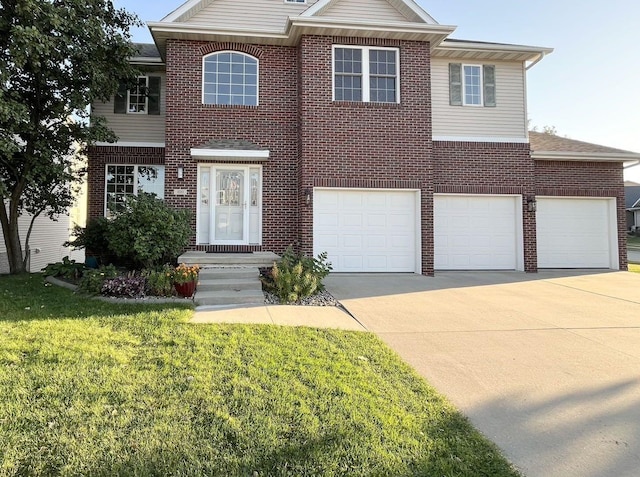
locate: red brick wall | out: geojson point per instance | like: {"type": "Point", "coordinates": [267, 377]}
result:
{"type": "Point", "coordinates": [271, 125]}
{"type": "Point", "coordinates": [99, 156]}
{"type": "Point", "coordinates": [353, 144]}
{"type": "Point", "coordinates": [489, 168]}
{"type": "Point", "coordinates": [586, 179]}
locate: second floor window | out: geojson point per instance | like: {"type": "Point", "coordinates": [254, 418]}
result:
{"type": "Point", "coordinates": [140, 97]}
{"type": "Point", "coordinates": [367, 74]}
{"type": "Point", "coordinates": [472, 85]}
{"type": "Point", "coordinates": [230, 78]}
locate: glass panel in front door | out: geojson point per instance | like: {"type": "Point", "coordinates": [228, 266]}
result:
{"type": "Point", "coordinates": [230, 205]}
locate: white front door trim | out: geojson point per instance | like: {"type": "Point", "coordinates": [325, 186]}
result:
{"type": "Point", "coordinates": [252, 226]}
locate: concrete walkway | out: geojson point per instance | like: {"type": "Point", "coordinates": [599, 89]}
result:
{"type": "Point", "coordinates": [313, 316]}
{"type": "Point", "coordinates": [546, 365]}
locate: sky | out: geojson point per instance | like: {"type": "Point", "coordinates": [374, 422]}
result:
{"type": "Point", "coordinates": [586, 88]}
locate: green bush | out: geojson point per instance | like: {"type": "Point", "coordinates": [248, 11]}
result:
{"type": "Point", "coordinates": [160, 281]}
{"type": "Point", "coordinates": [297, 276]}
{"type": "Point", "coordinates": [149, 233]}
{"type": "Point", "coordinates": [93, 280]}
{"type": "Point", "coordinates": [69, 269]}
{"type": "Point", "coordinates": [93, 238]}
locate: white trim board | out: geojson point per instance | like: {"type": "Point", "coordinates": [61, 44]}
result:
{"type": "Point", "coordinates": [512, 140]}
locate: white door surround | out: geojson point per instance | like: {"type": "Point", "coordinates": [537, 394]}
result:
{"type": "Point", "coordinates": [229, 208]}
{"type": "Point", "coordinates": [368, 230]}
{"type": "Point", "coordinates": [478, 232]}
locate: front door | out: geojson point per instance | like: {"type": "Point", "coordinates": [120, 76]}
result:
{"type": "Point", "coordinates": [230, 205]}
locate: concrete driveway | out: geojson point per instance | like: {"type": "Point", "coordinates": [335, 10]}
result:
{"type": "Point", "coordinates": [546, 365]}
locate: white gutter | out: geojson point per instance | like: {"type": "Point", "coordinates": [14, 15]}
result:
{"type": "Point", "coordinates": [584, 156]}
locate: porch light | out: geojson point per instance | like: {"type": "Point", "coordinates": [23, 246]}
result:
{"type": "Point", "coordinates": [532, 204]}
{"type": "Point", "coordinates": [180, 172]}
{"type": "Point", "coordinates": [307, 196]}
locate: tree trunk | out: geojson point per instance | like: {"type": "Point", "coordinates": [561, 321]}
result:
{"type": "Point", "coordinates": [12, 239]}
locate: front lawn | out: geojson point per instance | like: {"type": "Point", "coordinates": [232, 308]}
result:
{"type": "Point", "coordinates": [89, 388]}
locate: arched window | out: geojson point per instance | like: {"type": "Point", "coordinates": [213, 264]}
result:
{"type": "Point", "coordinates": [230, 78]}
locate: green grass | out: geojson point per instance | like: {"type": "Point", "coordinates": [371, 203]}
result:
{"type": "Point", "coordinates": [633, 240]}
{"type": "Point", "coordinates": [89, 388]}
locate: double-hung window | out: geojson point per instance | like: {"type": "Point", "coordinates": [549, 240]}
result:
{"type": "Point", "coordinates": [472, 85]}
{"type": "Point", "coordinates": [123, 181]}
{"type": "Point", "coordinates": [142, 96]}
{"type": "Point", "coordinates": [230, 78]}
{"type": "Point", "coordinates": [366, 74]}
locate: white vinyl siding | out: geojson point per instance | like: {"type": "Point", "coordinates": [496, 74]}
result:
{"type": "Point", "coordinates": [507, 120]}
{"type": "Point", "coordinates": [136, 127]}
{"type": "Point", "coordinates": [377, 10]}
{"type": "Point", "coordinates": [45, 242]}
{"type": "Point", "coordinates": [261, 15]}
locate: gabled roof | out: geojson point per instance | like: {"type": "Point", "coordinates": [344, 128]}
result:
{"type": "Point", "coordinates": [631, 197]}
{"type": "Point", "coordinates": [555, 148]}
{"type": "Point", "coordinates": [197, 20]}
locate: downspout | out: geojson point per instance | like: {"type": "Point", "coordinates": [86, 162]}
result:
{"type": "Point", "coordinates": [537, 60]}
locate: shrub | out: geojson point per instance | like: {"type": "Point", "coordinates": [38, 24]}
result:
{"type": "Point", "coordinates": [69, 269]}
{"type": "Point", "coordinates": [160, 282]}
{"type": "Point", "coordinates": [149, 233]}
{"type": "Point", "coordinates": [296, 276]}
{"type": "Point", "coordinates": [92, 280]}
{"type": "Point", "coordinates": [125, 287]}
{"type": "Point", "coordinates": [93, 238]}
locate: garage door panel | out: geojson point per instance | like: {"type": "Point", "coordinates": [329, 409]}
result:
{"type": "Point", "coordinates": [376, 229]}
{"type": "Point", "coordinates": [575, 232]}
{"type": "Point", "coordinates": [475, 232]}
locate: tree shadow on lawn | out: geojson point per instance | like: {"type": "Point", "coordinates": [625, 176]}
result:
{"type": "Point", "coordinates": [30, 298]}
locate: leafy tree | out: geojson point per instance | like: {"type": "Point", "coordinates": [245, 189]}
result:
{"type": "Point", "coordinates": [56, 58]}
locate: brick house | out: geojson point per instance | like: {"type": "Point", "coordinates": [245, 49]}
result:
{"type": "Point", "coordinates": [358, 128]}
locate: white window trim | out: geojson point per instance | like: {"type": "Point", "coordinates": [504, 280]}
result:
{"type": "Point", "coordinates": [366, 86]}
{"type": "Point", "coordinates": [294, 2]}
{"type": "Point", "coordinates": [464, 86]}
{"type": "Point", "coordinates": [257, 78]}
{"type": "Point", "coordinates": [135, 178]}
{"type": "Point", "coordinates": [146, 98]}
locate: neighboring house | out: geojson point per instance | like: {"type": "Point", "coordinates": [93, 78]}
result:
{"type": "Point", "coordinates": [360, 129]}
{"type": "Point", "coordinates": [45, 243]}
{"type": "Point", "coordinates": [632, 204]}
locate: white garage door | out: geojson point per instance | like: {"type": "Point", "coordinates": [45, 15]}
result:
{"type": "Point", "coordinates": [477, 232]}
{"type": "Point", "coordinates": [576, 233]}
{"type": "Point", "coordinates": [366, 230]}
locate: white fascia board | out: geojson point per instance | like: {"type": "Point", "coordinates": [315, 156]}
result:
{"type": "Point", "coordinates": [185, 28]}
{"type": "Point", "coordinates": [418, 10]}
{"type": "Point", "coordinates": [536, 53]}
{"type": "Point", "coordinates": [130, 144]}
{"type": "Point", "coordinates": [234, 153]}
{"type": "Point", "coordinates": [583, 156]}
{"type": "Point", "coordinates": [181, 10]}
{"type": "Point", "coordinates": [371, 25]}
{"type": "Point", "coordinates": [510, 140]}
{"type": "Point", "coordinates": [146, 61]}
{"type": "Point", "coordinates": [319, 6]}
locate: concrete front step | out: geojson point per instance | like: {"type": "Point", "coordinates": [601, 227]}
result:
{"type": "Point", "coordinates": [224, 273]}
{"type": "Point", "coordinates": [229, 297]}
{"type": "Point", "coordinates": [229, 284]}
{"type": "Point", "coordinates": [254, 259]}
